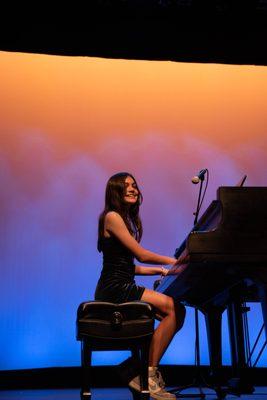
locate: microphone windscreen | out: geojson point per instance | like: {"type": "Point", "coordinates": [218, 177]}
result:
{"type": "Point", "coordinates": [195, 179]}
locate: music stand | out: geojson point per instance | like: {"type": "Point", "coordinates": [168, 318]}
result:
{"type": "Point", "coordinates": [242, 181]}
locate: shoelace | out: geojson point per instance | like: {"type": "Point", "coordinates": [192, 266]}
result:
{"type": "Point", "coordinates": [161, 381]}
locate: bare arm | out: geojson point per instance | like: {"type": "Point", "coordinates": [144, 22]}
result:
{"type": "Point", "coordinates": [154, 270]}
{"type": "Point", "coordinates": [115, 225]}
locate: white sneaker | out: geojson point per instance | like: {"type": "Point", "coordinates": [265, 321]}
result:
{"type": "Point", "coordinates": [161, 381]}
{"type": "Point", "coordinates": [156, 386]}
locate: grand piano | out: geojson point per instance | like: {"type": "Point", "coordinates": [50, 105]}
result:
{"type": "Point", "coordinates": [226, 253]}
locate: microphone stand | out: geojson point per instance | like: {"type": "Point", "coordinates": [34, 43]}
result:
{"type": "Point", "coordinates": [198, 380]}
{"type": "Point", "coordinates": [198, 201]}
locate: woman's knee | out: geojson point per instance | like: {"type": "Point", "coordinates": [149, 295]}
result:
{"type": "Point", "coordinates": [170, 306]}
{"type": "Point", "coordinates": [163, 304]}
{"type": "Point", "coordinates": [174, 309]}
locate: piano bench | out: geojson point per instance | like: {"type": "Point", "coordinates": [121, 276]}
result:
{"type": "Point", "coordinates": [109, 326]}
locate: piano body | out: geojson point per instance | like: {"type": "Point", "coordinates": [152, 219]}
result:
{"type": "Point", "coordinates": [227, 265]}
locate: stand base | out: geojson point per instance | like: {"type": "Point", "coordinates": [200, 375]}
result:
{"type": "Point", "coordinates": [180, 395]}
{"type": "Point", "coordinates": [239, 386]}
{"type": "Point", "coordinates": [220, 392]}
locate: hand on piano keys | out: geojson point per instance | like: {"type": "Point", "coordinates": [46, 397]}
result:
{"type": "Point", "coordinates": [164, 271]}
{"type": "Point", "coordinates": [180, 264]}
{"type": "Point", "coordinates": [175, 269]}
{"type": "Point", "coordinates": [184, 258]}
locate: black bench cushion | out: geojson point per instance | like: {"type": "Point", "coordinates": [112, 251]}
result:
{"type": "Point", "coordinates": [99, 319]}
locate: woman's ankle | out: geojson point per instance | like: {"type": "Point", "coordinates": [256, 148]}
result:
{"type": "Point", "coordinates": [152, 369]}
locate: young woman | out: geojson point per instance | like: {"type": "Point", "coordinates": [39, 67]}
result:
{"type": "Point", "coordinates": [119, 235]}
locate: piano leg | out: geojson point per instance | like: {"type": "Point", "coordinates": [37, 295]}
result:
{"type": "Point", "coordinates": [236, 332]}
{"type": "Point", "coordinates": [262, 290]}
{"type": "Point", "coordinates": [213, 318]}
{"type": "Point", "coordinates": [240, 382]}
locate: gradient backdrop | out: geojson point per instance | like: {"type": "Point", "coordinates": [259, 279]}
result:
{"type": "Point", "coordinates": [66, 125]}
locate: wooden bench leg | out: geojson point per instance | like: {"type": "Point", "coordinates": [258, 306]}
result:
{"type": "Point", "coordinates": [144, 356]}
{"type": "Point", "coordinates": [86, 358]}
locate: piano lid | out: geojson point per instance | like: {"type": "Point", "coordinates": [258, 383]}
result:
{"type": "Point", "coordinates": [233, 248]}
{"type": "Point", "coordinates": [242, 227]}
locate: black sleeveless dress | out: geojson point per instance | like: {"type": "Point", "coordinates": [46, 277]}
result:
{"type": "Point", "coordinates": [116, 283]}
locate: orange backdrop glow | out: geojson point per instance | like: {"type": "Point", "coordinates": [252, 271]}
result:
{"type": "Point", "coordinates": [66, 125]}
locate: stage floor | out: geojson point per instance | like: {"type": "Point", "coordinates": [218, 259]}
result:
{"type": "Point", "coordinates": [109, 394]}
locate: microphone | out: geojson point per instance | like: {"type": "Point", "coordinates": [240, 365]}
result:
{"type": "Point", "coordinates": [200, 177]}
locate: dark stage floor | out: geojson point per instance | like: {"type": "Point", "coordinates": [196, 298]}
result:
{"type": "Point", "coordinates": [107, 394]}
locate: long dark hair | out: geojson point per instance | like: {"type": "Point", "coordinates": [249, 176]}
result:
{"type": "Point", "coordinates": [114, 201]}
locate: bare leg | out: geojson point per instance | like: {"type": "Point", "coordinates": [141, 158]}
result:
{"type": "Point", "coordinates": [172, 318]}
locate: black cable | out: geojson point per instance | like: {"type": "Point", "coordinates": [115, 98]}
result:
{"type": "Point", "coordinates": [260, 353]}
{"type": "Point", "coordinates": [255, 344]}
